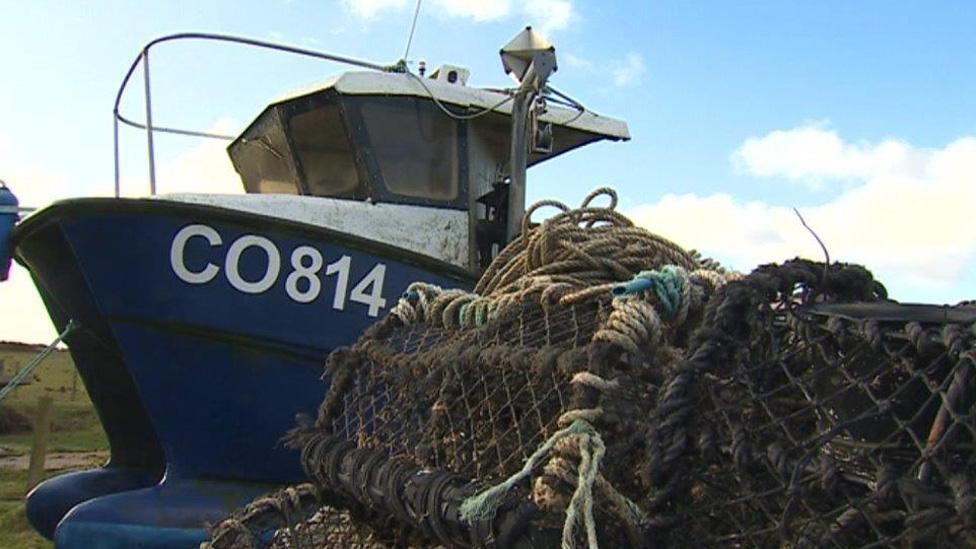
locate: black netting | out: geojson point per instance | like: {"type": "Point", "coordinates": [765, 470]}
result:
{"type": "Point", "coordinates": [822, 425]}
{"type": "Point", "coordinates": [329, 527]}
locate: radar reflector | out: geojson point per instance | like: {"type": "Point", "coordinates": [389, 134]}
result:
{"type": "Point", "coordinates": [529, 58]}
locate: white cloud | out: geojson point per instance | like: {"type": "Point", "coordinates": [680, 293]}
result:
{"type": "Point", "coordinates": [368, 8]}
{"type": "Point", "coordinates": [628, 70]}
{"type": "Point", "coordinates": [813, 153]}
{"type": "Point", "coordinates": [576, 62]}
{"type": "Point", "coordinates": [621, 72]}
{"type": "Point", "coordinates": [33, 185]}
{"type": "Point", "coordinates": [478, 10]}
{"type": "Point", "coordinates": [908, 221]}
{"type": "Point", "coordinates": [24, 317]}
{"type": "Point", "coordinates": [546, 15]}
{"type": "Point", "coordinates": [549, 15]}
{"type": "Point", "coordinates": [205, 168]}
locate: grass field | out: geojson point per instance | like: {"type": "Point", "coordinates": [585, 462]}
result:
{"type": "Point", "coordinates": [74, 428]}
{"type": "Point", "coordinates": [15, 532]}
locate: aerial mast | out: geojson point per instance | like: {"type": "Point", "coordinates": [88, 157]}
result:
{"type": "Point", "coordinates": [530, 59]}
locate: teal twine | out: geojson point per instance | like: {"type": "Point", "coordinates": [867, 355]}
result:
{"type": "Point", "coordinates": [483, 505]}
{"type": "Point", "coordinates": [484, 313]}
{"type": "Point", "coordinates": [669, 285]}
{"type": "Point", "coordinates": [480, 312]}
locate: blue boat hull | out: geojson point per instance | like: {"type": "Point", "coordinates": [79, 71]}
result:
{"type": "Point", "coordinates": [204, 333]}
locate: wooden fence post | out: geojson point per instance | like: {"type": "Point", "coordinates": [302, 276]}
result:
{"type": "Point", "coordinates": [42, 427]}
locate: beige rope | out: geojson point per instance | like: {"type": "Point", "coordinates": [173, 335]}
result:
{"type": "Point", "coordinates": [574, 256]}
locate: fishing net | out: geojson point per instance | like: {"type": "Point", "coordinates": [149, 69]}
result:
{"type": "Point", "coordinates": [602, 386]}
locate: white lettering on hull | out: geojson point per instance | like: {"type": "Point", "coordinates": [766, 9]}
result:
{"type": "Point", "coordinates": [179, 246]}
{"type": "Point", "coordinates": [303, 283]}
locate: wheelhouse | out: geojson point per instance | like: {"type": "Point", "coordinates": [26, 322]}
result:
{"type": "Point", "coordinates": [383, 149]}
{"type": "Point", "coordinates": [402, 139]}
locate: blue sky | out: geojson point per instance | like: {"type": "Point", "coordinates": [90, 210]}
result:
{"type": "Point", "coordinates": [861, 114]}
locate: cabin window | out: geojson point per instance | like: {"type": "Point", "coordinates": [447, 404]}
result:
{"type": "Point", "coordinates": [263, 160]}
{"type": "Point", "coordinates": [324, 152]}
{"type": "Point", "coordinates": [415, 147]}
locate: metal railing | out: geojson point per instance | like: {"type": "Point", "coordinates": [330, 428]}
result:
{"type": "Point", "coordinates": [143, 59]}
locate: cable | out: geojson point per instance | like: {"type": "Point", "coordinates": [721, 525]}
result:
{"type": "Point", "coordinates": [567, 101]}
{"type": "Point", "coordinates": [574, 103]}
{"type": "Point", "coordinates": [575, 118]}
{"type": "Point", "coordinates": [413, 27]}
{"type": "Point", "coordinates": [447, 111]}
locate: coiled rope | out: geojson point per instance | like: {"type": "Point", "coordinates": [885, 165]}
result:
{"type": "Point", "coordinates": [569, 257]}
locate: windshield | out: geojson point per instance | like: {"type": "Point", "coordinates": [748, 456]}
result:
{"type": "Point", "coordinates": [415, 146]}
{"type": "Point", "coordinates": [387, 148]}
{"type": "Point", "coordinates": [325, 154]}
{"type": "Point", "coordinates": [262, 158]}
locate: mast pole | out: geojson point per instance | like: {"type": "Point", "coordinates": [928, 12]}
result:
{"type": "Point", "coordinates": [519, 160]}
{"type": "Point", "coordinates": [531, 59]}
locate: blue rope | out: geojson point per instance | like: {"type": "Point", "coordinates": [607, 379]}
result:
{"type": "Point", "coordinates": [668, 283]}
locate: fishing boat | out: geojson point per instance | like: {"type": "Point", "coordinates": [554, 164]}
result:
{"type": "Point", "coordinates": [199, 323]}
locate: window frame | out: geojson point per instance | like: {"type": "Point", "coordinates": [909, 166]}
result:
{"type": "Point", "coordinates": [372, 184]}
{"type": "Point", "coordinates": [382, 192]}
{"type": "Point", "coordinates": [271, 117]}
{"type": "Point", "coordinates": [311, 102]}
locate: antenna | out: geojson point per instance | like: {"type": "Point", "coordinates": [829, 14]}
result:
{"type": "Point", "coordinates": [413, 27]}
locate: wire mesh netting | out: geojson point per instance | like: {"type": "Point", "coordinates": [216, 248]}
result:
{"type": "Point", "coordinates": [827, 425]}
{"type": "Point", "coordinates": [666, 403]}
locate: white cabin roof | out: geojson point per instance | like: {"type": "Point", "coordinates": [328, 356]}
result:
{"type": "Point", "coordinates": [405, 84]}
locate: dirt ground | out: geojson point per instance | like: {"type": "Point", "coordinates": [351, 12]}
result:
{"type": "Point", "coordinates": [56, 461]}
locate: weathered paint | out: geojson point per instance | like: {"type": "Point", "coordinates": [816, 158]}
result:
{"type": "Point", "coordinates": [110, 264]}
{"type": "Point", "coordinates": [435, 232]}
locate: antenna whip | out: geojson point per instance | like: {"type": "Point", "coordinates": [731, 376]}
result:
{"type": "Point", "coordinates": [413, 27]}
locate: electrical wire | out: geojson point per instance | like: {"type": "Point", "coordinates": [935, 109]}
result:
{"type": "Point", "coordinates": [566, 100]}
{"type": "Point", "coordinates": [575, 118]}
{"type": "Point", "coordinates": [448, 112]}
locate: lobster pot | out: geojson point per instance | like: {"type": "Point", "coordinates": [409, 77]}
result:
{"type": "Point", "coordinates": [664, 402]}
{"type": "Point", "coordinates": [830, 424]}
